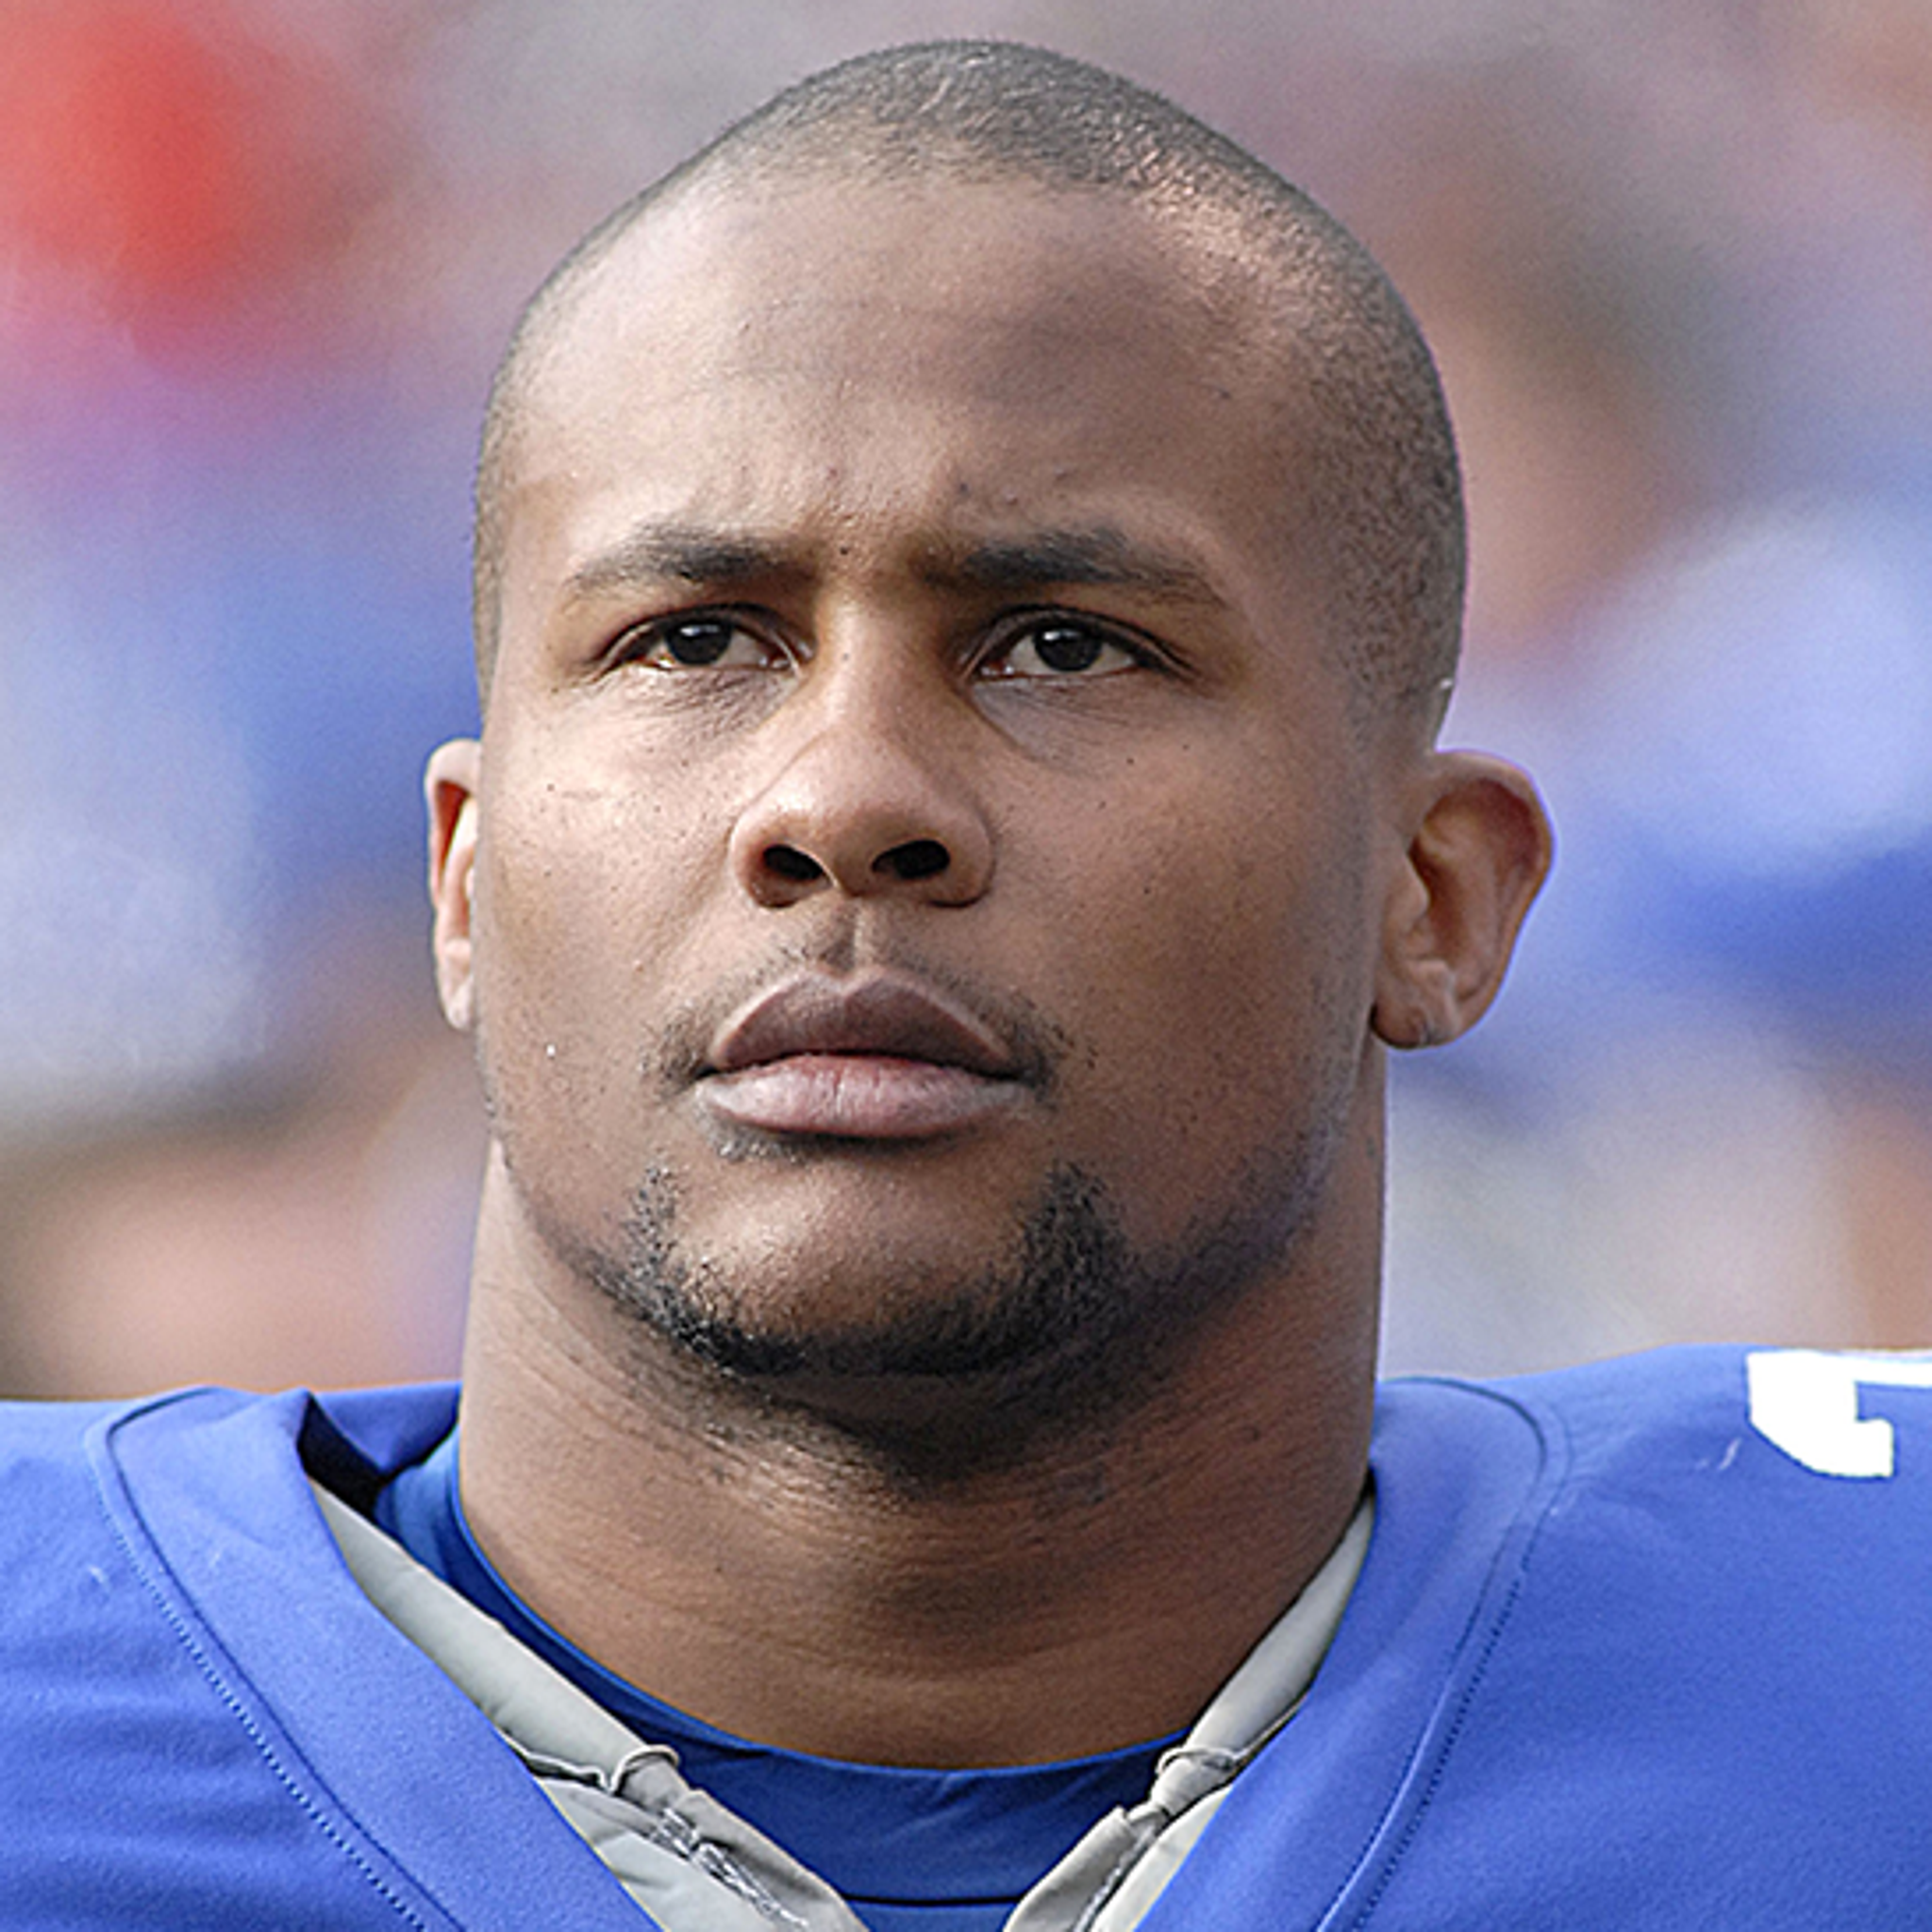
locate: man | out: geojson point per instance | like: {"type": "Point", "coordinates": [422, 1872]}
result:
{"type": "Point", "coordinates": [969, 569]}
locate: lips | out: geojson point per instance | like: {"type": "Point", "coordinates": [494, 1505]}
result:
{"type": "Point", "coordinates": [878, 1012]}
{"type": "Point", "coordinates": [873, 1056]}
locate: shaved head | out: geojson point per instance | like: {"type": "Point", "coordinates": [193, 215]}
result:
{"type": "Point", "coordinates": [1370, 485]}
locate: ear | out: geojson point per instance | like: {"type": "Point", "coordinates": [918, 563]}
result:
{"type": "Point", "coordinates": [450, 787]}
{"type": "Point", "coordinates": [1477, 855]}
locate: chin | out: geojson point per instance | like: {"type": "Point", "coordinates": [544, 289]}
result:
{"type": "Point", "coordinates": [881, 1308]}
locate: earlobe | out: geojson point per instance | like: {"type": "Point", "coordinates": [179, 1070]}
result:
{"type": "Point", "coordinates": [450, 787]}
{"type": "Point", "coordinates": [1478, 853]}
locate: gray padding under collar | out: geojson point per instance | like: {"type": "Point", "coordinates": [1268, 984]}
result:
{"type": "Point", "coordinates": [697, 1867]}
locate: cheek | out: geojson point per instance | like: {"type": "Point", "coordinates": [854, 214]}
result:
{"type": "Point", "coordinates": [576, 890]}
{"type": "Point", "coordinates": [1228, 997]}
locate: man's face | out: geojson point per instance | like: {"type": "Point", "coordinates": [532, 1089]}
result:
{"type": "Point", "coordinates": [920, 809]}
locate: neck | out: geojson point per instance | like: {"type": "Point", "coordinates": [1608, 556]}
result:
{"type": "Point", "coordinates": [806, 1583]}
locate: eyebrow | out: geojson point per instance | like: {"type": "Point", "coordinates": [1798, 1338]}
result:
{"type": "Point", "coordinates": [1102, 555]}
{"type": "Point", "coordinates": [688, 552]}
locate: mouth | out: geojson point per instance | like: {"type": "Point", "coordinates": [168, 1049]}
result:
{"type": "Point", "coordinates": [876, 1055]}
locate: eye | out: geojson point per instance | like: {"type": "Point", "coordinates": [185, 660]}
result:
{"type": "Point", "coordinates": [703, 642]}
{"type": "Point", "coordinates": [1058, 646]}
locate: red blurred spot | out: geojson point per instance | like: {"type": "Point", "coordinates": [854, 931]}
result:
{"type": "Point", "coordinates": [174, 165]}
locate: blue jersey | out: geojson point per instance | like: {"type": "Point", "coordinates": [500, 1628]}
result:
{"type": "Point", "coordinates": [1643, 1644]}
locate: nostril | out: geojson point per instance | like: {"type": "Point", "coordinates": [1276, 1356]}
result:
{"type": "Point", "coordinates": [788, 862]}
{"type": "Point", "coordinates": [918, 858]}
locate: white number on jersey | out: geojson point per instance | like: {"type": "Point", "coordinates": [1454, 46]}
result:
{"type": "Point", "coordinates": [1807, 1402]}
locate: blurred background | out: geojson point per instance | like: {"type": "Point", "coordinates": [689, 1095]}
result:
{"type": "Point", "coordinates": [257, 259]}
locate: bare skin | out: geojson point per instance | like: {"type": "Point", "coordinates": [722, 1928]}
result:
{"type": "Point", "coordinates": [916, 773]}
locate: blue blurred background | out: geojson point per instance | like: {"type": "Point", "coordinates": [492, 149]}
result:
{"type": "Point", "coordinates": [257, 258]}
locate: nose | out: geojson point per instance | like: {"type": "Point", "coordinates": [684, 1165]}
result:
{"type": "Point", "coordinates": [868, 804]}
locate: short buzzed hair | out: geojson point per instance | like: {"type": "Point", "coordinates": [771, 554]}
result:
{"type": "Point", "coordinates": [1378, 476]}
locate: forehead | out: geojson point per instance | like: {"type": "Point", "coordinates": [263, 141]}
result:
{"type": "Point", "coordinates": [940, 358]}
{"type": "Point", "coordinates": [729, 272]}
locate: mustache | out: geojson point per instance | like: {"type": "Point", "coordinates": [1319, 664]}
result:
{"type": "Point", "coordinates": [1034, 1046]}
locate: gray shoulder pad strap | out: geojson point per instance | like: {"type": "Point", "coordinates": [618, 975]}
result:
{"type": "Point", "coordinates": [690, 1862]}
{"type": "Point", "coordinates": [1110, 1880]}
